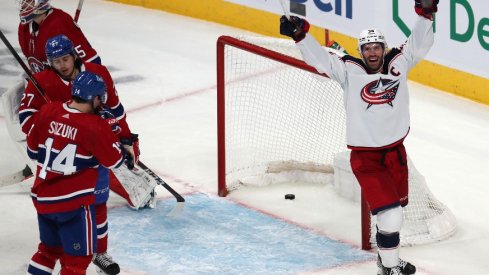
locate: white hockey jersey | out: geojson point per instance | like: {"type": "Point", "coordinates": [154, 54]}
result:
{"type": "Point", "coordinates": [377, 105]}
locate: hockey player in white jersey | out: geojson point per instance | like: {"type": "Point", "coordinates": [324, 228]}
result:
{"type": "Point", "coordinates": [377, 110]}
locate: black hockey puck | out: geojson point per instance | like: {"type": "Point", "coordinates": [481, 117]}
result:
{"type": "Point", "coordinates": [289, 196]}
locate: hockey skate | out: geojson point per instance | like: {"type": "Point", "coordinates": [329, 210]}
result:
{"type": "Point", "coordinates": [391, 271]}
{"type": "Point", "coordinates": [105, 265]}
{"type": "Point", "coordinates": [405, 268]}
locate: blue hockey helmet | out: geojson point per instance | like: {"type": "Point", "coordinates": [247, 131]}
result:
{"type": "Point", "coordinates": [28, 9]}
{"type": "Point", "coordinates": [58, 46]}
{"type": "Point", "coordinates": [87, 86]}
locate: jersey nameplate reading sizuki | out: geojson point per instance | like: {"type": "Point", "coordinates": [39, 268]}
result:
{"type": "Point", "coordinates": [63, 130]}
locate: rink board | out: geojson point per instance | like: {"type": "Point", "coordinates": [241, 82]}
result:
{"type": "Point", "coordinates": [216, 236]}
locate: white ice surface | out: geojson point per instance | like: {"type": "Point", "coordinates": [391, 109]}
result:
{"type": "Point", "coordinates": [173, 108]}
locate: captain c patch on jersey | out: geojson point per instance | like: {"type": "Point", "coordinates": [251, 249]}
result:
{"type": "Point", "coordinates": [380, 91]}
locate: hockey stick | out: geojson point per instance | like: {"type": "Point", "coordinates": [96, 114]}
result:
{"type": "Point", "coordinates": [180, 200]}
{"type": "Point", "coordinates": [161, 182]}
{"type": "Point", "coordinates": [14, 178]}
{"type": "Point", "coordinates": [19, 176]}
{"type": "Point", "coordinates": [10, 179]}
{"type": "Point", "coordinates": [285, 7]}
{"type": "Point", "coordinates": [78, 10]}
{"type": "Point", "coordinates": [24, 66]}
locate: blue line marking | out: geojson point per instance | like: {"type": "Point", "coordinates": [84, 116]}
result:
{"type": "Point", "coordinates": [217, 236]}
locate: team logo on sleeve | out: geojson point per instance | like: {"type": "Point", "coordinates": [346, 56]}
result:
{"type": "Point", "coordinates": [382, 91]}
{"type": "Point", "coordinates": [36, 65]}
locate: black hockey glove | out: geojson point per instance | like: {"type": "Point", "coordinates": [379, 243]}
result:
{"type": "Point", "coordinates": [426, 8]}
{"type": "Point", "coordinates": [131, 146]}
{"type": "Point", "coordinates": [107, 115]}
{"type": "Point", "coordinates": [295, 27]}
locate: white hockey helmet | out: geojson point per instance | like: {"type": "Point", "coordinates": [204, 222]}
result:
{"type": "Point", "coordinates": [371, 36]}
{"type": "Point", "coordinates": [28, 9]}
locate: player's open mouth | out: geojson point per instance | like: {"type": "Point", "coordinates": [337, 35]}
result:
{"type": "Point", "coordinates": [373, 62]}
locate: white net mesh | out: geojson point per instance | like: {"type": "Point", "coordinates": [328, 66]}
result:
{"type": "Point", "coordinates": [283, 123]}
{"type": "Point", "coordinates": [275, 112]}
{"type": "Point", "coordinates": [425, 218]}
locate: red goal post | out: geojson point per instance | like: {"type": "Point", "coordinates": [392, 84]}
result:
{"type": "Point", "coordinates": [222, 42]}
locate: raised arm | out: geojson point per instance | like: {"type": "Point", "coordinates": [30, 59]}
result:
{"type": "Point", "coordinates": [421, 39]}
{"type": "Point", "coordinates": [327, 63]}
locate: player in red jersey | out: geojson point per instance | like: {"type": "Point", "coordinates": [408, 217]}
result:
{"type": "Point", "coordinates": [64, 65]}
{"type": "Point", "coordinates": [38, 22]}
{"type": "Point", "coordinates": [55, 81]}
{"type": "Point", "coordinates": [69, 141]}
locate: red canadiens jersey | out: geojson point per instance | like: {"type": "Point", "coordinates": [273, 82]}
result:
{"type": "Point", "coordinates": [57, 89]}
{"type": "Point", "coordinates": [33, 38]}
{"type": "Point", "coordinates": [69, 146]}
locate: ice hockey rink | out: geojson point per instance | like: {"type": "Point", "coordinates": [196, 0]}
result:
{"type": "Point", "coordinates": [164, 66]}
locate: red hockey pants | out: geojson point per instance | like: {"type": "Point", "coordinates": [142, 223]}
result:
{"type": "Point", "coordinates": [383, 176]}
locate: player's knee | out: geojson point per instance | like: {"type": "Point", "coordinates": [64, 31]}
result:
{"type": "Point", "coordinates": [390, 220]}
{"type": "Point", "coordinates": [389, 224]}
{"type": "Point", "coordinates": [387, 240]}
{"type": "Point", "coordinates": [48, 253]}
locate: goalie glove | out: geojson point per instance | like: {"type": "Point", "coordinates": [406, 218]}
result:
{"type": "Point", "coordinates": [426, 8]}
{"type": "Point", "coordinates": [295, 27]}
{"type": "Point", "coordinates": [107, 115]}
{"type": "Point", "coordinates": [131, 146]}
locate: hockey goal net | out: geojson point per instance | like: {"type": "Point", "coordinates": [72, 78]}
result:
{"type": "Point", "coordinates": [278, 117]}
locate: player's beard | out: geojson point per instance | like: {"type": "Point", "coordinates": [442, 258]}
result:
{"type": "Point", "coordinates": [67, 75]}
{"type": "Point", "coordinates": [95, 107]}
{"type": "Point", "coordinates": [375, 66]}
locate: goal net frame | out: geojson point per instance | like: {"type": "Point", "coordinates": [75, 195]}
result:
{"type": "Point", "coordinates": [221, 93]}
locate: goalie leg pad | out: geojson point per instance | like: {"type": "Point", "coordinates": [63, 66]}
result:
{"type": "Point", "coordinates": [116, 186]}
{"type": "Point", "coordinates": [11, 101]}
{"type": "Point", "coordinates": [137, 185]}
